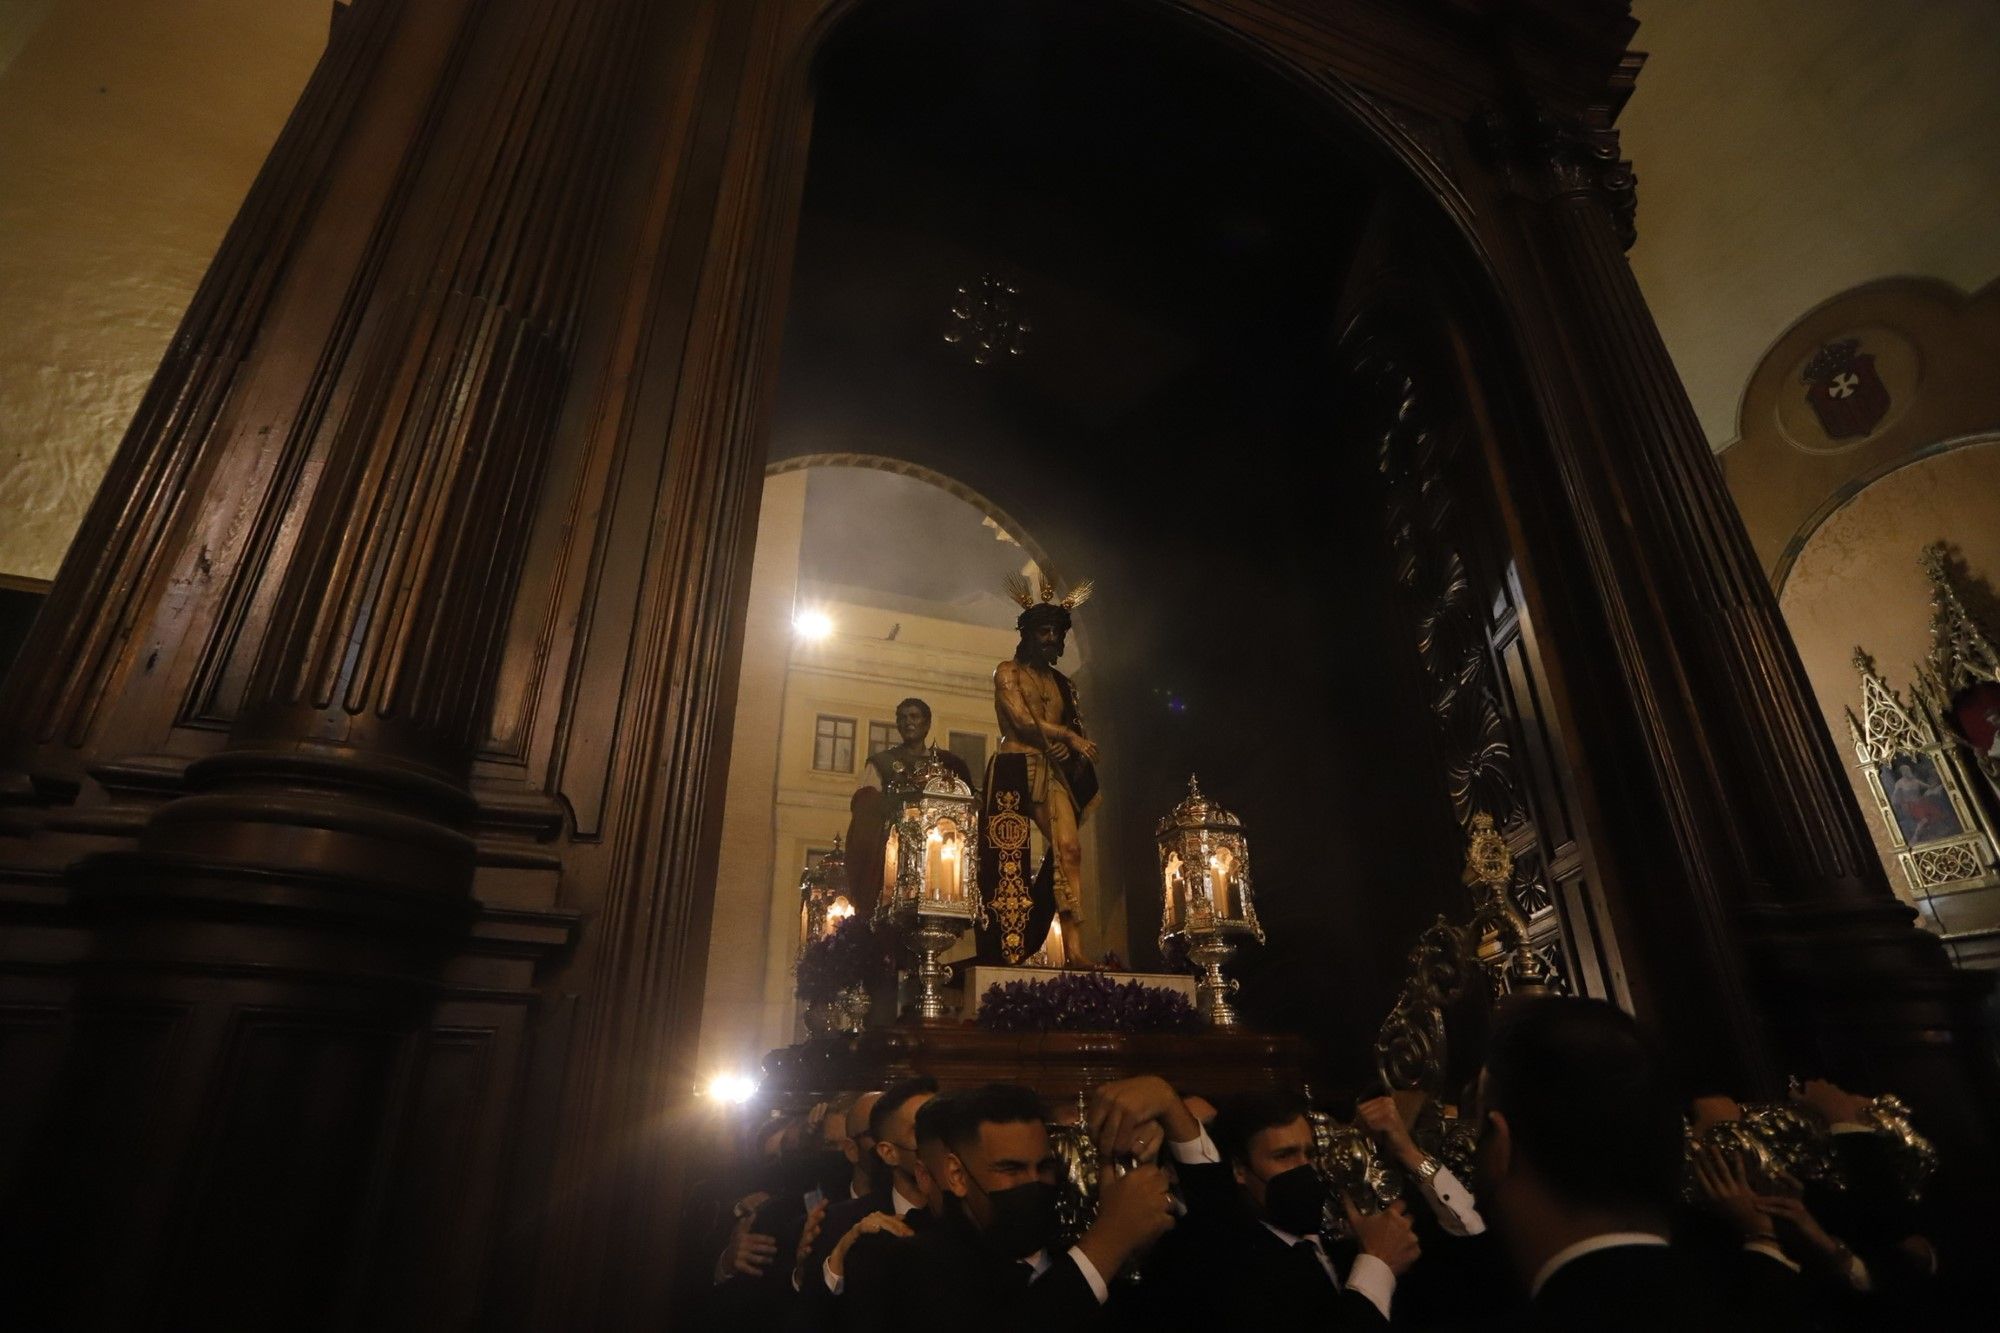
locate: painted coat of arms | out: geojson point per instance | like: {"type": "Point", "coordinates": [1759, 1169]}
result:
{"type": "Point", "coordinates": [1845, 392]}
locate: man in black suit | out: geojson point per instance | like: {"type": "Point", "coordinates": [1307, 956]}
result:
{"type": "Point", "coordinates": [806, 1163]}
{"type": "Point", "coordinates": [986, 1256]}
{"type": "Point", "coordinates": [891, 1132]}
{"type": "Point", "coordinates": [859, 1270]}
{"type": "Point", "coordinates": [1268, 1264]}
{"type": "Point", "coordinates": [1580, 1158]}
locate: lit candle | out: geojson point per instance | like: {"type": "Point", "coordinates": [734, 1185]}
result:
{"type": "Point", "coordinates": [1219, 865]}
{"type": "Point", "coordinates": [837, 912]}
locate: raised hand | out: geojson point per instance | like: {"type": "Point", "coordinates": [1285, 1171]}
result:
{"type": "Point", "coordinates": [1388, 1235]}
{"type": "Point", "coordinates": [874, 1222]}
{"type": "Point", "coordinates": [1379, 1116]}
{"type": "Point", "coordinates": [1133, 1211]}
{"type": "Point", "coordinates": [1119, 1114]}
{"type": "Point", "coordinates": [814, 1220]}
{"type": "Point", "coordinates": [1724, 1179]}
{"type": "Point", "coordinates": [748, 1253]}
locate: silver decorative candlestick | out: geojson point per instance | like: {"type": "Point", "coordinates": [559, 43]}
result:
{"type": "Point", "coordinates": [1206, 904]}
{"type": "Point", "coordinates": [930, 878]}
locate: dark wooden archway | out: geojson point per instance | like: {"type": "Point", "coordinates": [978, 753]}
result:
{"type": "Point", "coordinates": [363, 768]}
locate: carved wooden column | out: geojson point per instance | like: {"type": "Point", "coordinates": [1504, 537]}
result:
{"type": "Point", "coordinates": [1783, 895]}
{"type": "Point", "coordinates": [262, 956]}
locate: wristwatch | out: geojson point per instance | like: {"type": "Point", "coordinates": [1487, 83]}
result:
{"type": "Point", "coordinates": [1428, 1168]}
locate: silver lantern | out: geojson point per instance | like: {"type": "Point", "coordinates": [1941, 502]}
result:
{"type": "Point", "coordinates": [1206, 904]}
{"type": "Point", "coordinates": [930, 875]}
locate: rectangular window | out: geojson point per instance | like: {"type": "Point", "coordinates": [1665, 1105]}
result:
{"type": "Point", "coordinates": [882, 736]}
{"type": "Point", "coordinates": [971, 747]}
{"type": "Point", "coordinates": [833, 744]}
{"type": "Point", "coordinates": [814, 855]}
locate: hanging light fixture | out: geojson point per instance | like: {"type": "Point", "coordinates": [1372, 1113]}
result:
{"type": "Point", "coordinates": [986, 318]}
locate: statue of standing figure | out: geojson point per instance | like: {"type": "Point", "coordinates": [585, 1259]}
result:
{"type": "Point", "coordinates": [1044, 773]}
{"type": "Point", "coordinates": [893, 769]}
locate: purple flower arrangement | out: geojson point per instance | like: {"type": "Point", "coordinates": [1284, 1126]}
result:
{"type": "Point", "coordinates": [852, 955]}
{"type": "Point", "coordinates": [1085, 1002]}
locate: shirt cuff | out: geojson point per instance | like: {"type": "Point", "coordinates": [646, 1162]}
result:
{"type": "Point", "coordinates": [1856, 1273]}
{"type": "Point", "coordinates": [1196, 1150]}
{"type": "Point", "coordinates": [1372, 1278]}
{"type": "Point", "coordinates": [1091, 1275]}
{"type": "Point", "coordinates": [1452, 1202]}
{"type": "Point", "coordinates": [1770, 1249]}
{"type": "Point", "coordinates": [835, 1282]}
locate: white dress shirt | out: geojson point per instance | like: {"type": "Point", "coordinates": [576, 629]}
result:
{"type": "Point", "coordinates": [1451, 1203]}
{"type": "Point", "coordinates": [1610, 1240]}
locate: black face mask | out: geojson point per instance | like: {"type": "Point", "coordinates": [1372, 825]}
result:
{"type": "Point", "coordinates": [1024, 1219]}
{"type": "Point", "coordinates": [1295, 1200]}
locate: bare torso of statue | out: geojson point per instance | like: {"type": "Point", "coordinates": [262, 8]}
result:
{"type": "Point", "coordinates": [1037, 713]}
{"type": "Point", "coordinates": [1037, 707]}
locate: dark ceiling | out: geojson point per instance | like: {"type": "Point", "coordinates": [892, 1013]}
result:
{"type": "Point", "coordinates": [1165, 221]}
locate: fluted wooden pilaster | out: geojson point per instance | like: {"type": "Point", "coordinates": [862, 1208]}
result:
{"type": "Point", "coordinates": [286, 917]}
{"type": "Point", "coordinates": [1776, 903]}
{"type": "Point", "coordinates": [54, 693]}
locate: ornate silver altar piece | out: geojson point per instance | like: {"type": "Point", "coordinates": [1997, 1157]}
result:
{"type": "Point", "coordinates": [1783, 1144]}
{"type": "Point", "coordinates": [1500, 932]}
{"type": "Point", "coordinates": [1411, 1051]}
{"type": "Point", "coordinates": [1917, 1156]}
{"type": "Point", "coordinates": [823, 900]}
{"type": "Point", "coordinates": [1077, 1164]}
{"type": "Point", "coordinates": [1779, 1144]}
{"type": "Point", "coordinates": [1206, 905]}
{"type": "Point", "coordinates": [930, 877]}
{"type": "Point", "coordinates": [1346, 1158]}
{"type": "Point", "coordinates": [1922, 785]}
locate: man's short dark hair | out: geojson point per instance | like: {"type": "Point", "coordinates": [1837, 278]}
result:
{"type": "Point", "coordinates": [916, 703]}
{"type": "Point", "coordinates": [994, 1104]}
{"type": "Point", "coordinates": [1243, 1117]}
{"type": "Point", "coordinates": [1589, 1103]}
{"type": "Point", "coordinates": [893, 1099]}
{"type": "Point", "coordinates": [934, 1118]}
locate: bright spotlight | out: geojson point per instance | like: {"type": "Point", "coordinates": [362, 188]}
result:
{"type": "Point", "coordinates": [812, 625]}
{"type": "Point", "coordinates": [732, 1089]}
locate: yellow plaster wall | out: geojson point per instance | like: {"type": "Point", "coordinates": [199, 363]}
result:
{"type": "Point", "coordinates": [132, 130]}
{"type": "Point", "coordinates": [1856, 583]}
{"type": "Point", "coordinates": [1790, 149]}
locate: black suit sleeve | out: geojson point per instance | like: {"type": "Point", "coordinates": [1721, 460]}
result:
{"type": "Point", "coordinates": [868, 1287]}
{"type": "Point", "coordinates": [1059, 1301]}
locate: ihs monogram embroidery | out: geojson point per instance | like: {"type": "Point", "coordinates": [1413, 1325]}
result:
{"type": "Point", "coordinates": [1013, 903]}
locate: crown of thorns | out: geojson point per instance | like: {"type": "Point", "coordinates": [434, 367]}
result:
{"type": "Point", "coordinates": [1049, 606]}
